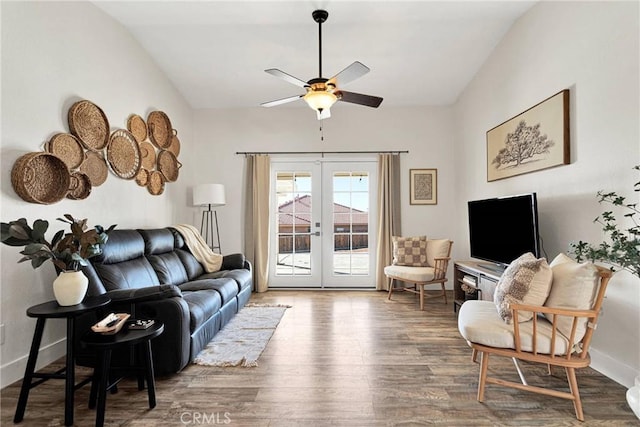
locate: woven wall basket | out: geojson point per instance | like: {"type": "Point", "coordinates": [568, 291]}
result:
{"type": "Point", "coordinates": [137, 127]}
{"type": "Point", "coordinates": [67, 148]}
{"type": "Point", "coordinates": [123, 154]}
{"type": "Point", "coordinates": [95, 167]}
{"type": "Point", "coordinates": [89, 123]}
{"type": "Point", "coordinates": [40, 178]}
{"type": "Point", "coordinates": [142, 178]}
{"type": "Point", "coordinates": [174, 147]}
{"type": "Point", "coordinates": [156, 183]}
{"type": "Point", "coordinates": [168, 165]}
{"type": "Point", "coordinates": [79, 186]}
{"type": "Point", "coordinates": [148, 153]}
{"type": "Point", "coordinates": [160, 129]}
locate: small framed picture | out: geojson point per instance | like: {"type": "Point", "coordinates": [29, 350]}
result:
{"type": "Point", "coordinates": [423, 186]}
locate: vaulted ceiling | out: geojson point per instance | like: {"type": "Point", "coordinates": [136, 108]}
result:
{"type": "Point", "coordinates": [215, 52]}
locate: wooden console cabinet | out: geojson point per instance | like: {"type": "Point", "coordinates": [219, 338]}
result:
{"type": "Point", "coordinates": [473, 274]}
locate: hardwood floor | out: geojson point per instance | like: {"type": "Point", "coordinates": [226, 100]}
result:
{"type": "Point", "coordinates": [342, 358]}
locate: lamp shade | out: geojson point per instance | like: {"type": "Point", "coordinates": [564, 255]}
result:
{"type": "Point", "coordinates": [209, 194]}
{"type": "Point", "coordinates": [320, 100]}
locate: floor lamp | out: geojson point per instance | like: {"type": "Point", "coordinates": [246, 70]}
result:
{"type": "Point", "coordinates": [209, 195]}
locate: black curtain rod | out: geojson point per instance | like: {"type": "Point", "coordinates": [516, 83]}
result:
{"type": "Point", "coordinates": [322, 152]}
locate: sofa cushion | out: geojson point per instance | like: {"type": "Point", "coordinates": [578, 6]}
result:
{"type": "Point", "coordinates": [410, 251]}
{"type": "Point", "coordinates": [123, 245]}
{"type": "Point", "coordinates": [526, 281]}
{"type": "Point", "coordinates": [437, 248]}
{"type": "Point", "coordinates": [410, 274]}
{"type": "Point", "coordinates": [191, 265]}
{"type": "Point", "coordinates": [242, 277]}
{"type": "Point", "coordinates": [157, 241]}
{"type": "Point", "coordinates": [478, 322]}
{"type": "Point", "coordinates": [203, 304]}
{"type": "Point", "coordinates": [227, 288]}
{"type": "Point", "coordinates": [574, 286]}
{"type": "Point", "coordinates": [169, 268]}
{"type": "Point", "coordinates": [135, 273]}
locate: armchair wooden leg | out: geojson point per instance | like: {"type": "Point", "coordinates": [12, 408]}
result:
{"type": "Point", "coordinates": [390, 288]}
{"type": "Point", "coordinates": [573, 386]}
{"type": "Point", "coordinates": [444, 293]}
{"type": "Point", "coordinates": [484, 364]}
{"type": "Point", "coordinates": [474, 356]}
{"type": "Point", "coordinates": [421, 297]}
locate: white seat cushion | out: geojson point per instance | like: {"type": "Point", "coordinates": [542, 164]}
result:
{"type": "Point", "coordinates": [479, 322]}
{"type": "Point", "coordinates": [410, 274]}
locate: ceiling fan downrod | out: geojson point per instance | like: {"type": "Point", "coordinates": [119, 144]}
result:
{"type": "Point", "coordinates": [320, 16]}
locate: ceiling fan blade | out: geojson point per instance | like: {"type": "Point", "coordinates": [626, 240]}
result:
{"type": "Point", "coordinates": [325, 114]}
{"type": "Point", "coordinates": [349, 74]}
{"type": "Point", "coordinates": [358, 98]}
{"type": "Point", "coordinates": [281, 101]}
{"type": "Point", "coordinates": [286, 77]}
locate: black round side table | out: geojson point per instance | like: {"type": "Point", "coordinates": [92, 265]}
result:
{"type": "Point", "coordinates": [53, 310]}
{"type": "Point", "coordinates": [104, 345]}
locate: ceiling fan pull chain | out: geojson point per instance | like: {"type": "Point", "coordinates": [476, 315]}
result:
{"type": "Point", "coordinates": [321, 131]}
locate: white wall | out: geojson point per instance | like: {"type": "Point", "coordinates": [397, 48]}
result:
{"type": "Point", "coordinates": [592, 49]}
{"type": "Point", "coordinates": [425, 132]}
{"type": "Point", "coordinates": [52, 55]}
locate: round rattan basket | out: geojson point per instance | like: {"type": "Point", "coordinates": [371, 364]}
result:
{"type": "Point", "coordinates": [79, 187]}
{"type": "Point", "coordinates": [66, 147]}
{"type": "Point", "coordinates": [168, 165]}
{"type": "Point", "coordinates": [142, 178]}
{"type": "Point", "coordinates": [89, 123]}
{"type": "Point", "coordinates": [148, 153]}
{"type": "Point", "coordinates": [155, 185]}
{"type": "Point", "coordinates": [123, 154]}
{"type": "Point", "coordinates": [174, 147]}
{"type": "Point", "coordinates": [160, 129]}
{"type": "Point", "coordinates": [137, 127]}
{"type": "Point", "coordinates": [40, 178]}
{"type": "Point", "coordinates": [95, 168]}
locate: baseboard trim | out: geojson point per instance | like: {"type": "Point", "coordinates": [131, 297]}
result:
{"type": "Point", "coordinates": [612, 368]}
{"type": "Point", "coordinates": [14, 370]}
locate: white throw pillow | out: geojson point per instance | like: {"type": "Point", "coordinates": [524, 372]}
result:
{"type": "Point", "coordinates": [437, 248]}
{"type": "Point", "coordinates": [574, 287]}
{"type": "Point", "coordinates": [526, 281]}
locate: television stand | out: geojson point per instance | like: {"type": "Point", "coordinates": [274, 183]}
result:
{"type": "Point", "coordinates": [479, 277]}
{"type": "Point", "coordinates": [493, 267]}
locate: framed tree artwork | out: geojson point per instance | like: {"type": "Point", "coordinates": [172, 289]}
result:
{"type": "Point", "coordinates": [423, 186]}
{"type": "Point", "coordinates": [535, 139]}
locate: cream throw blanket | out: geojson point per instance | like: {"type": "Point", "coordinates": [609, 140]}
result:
{"type": "Point", "coordinates": [210, 260]}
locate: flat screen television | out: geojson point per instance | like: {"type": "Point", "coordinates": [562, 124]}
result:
{"type": "Point", "coordinates": [503, 228]}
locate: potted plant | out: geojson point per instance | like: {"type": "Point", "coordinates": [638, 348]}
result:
{"type": "Point", "coordinates": [68, 251]}
{"type": "Point", "coordinates": [622, 248]}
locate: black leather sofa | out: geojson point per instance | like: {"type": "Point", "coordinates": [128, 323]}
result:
{"type": "Point", "coordinates": [153, 275]}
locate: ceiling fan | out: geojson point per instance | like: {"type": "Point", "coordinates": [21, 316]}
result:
{"type": "Point", "coordinates": [322, 93]}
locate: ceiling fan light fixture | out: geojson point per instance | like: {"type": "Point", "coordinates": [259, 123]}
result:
{"type": "Point", "coordinates": [320, 100]}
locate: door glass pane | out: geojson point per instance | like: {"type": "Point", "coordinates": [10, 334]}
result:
{"type": "Point", "coordinates": [350, 223]}
{"type": "Point", "coordinates": [293, 190]}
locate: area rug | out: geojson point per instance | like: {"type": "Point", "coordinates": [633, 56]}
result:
{"type": "Point", "coordinates": [244, 338]}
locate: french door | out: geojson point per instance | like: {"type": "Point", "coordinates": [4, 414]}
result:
{"type": "Point", "coordinates": [323, 224]}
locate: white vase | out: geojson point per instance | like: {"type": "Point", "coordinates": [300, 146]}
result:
{"type": "Point", "coordinates": [70, 287]}
{"type": "Point", "coordinates": [633, 397]}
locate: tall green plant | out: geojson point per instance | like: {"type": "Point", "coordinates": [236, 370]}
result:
{"type": "Point", "coordinates": [622, 250]}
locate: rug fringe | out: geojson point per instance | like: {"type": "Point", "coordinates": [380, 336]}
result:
{"type": "Point", "coordinates": [251, 304]}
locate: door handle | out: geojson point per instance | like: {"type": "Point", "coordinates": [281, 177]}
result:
{"type": "Point", "coordinates": [317, 233]}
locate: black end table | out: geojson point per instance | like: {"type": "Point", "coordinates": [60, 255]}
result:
{"type": "Point", "coordinates": [52, 310]}
{"type": "Point", "coordinates": [104, 345]}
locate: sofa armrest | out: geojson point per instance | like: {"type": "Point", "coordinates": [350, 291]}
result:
{"type": "Point", "coordinates": [149, 293]}
{"type": "Point", "coordinates": [233, 262]}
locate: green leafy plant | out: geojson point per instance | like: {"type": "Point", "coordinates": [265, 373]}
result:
{"type": "Point", "coordinates": [67, 251]}
{"type": "Point", "coordinates": [622, 250]}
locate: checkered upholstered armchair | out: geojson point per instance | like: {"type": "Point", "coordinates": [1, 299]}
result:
{"type": "Point", "coordinates": [419, 262]}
